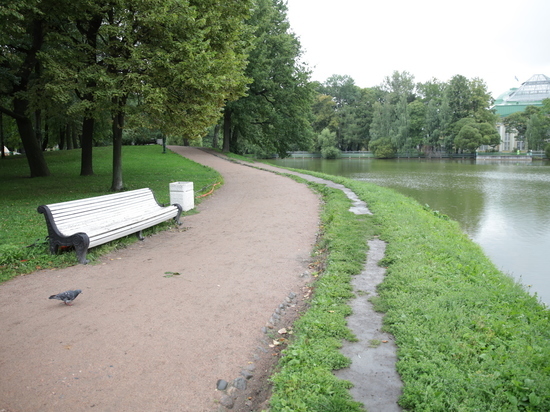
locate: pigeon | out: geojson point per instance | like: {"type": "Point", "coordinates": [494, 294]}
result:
{"type": "Point", "coordinates": [67, 297]}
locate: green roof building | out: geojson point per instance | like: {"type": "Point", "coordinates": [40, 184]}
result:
{"type": "Point", "coordinates": [530, 93]}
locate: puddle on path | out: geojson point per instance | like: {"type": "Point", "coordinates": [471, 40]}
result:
{"type": "Point", "coordinates": [376, 382]}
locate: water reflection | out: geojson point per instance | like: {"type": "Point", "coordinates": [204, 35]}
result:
{"type": "Point", "coordinates": [503, 207]}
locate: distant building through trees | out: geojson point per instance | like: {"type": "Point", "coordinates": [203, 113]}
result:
{"type": "Point", "coordinates": [530, 93]}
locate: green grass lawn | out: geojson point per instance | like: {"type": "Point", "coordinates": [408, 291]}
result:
{"type": "Point", "coordinates": [21, 225]}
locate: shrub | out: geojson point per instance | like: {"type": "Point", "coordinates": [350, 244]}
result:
{"type": "Point", "coordinates": [330, 153]}
{"type": "Point", "coordinates": [383, 148]}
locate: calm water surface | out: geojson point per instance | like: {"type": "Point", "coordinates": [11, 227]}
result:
{"type": "Point", "coordinates": [503, 207]}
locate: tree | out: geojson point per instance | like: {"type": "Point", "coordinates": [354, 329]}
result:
{"type": "Point", "coordinates": [275, 115]}
{"type": "Point", "coordinates": [399, 85]}
{"type": "Point", "coordinates": [382, 120]}
{"type": "Point", "coordinates": [469, 138]}
{"type": "Point", "coordinates": [459, 96]}
{"type": "Point", "coordinates": [537, 132]}
{"type": "Point", "coordinates": [353, 108]}
{"type": "Point", "coordinates": [342, 88]}
{"type": "Point", "coordinates": [326, 143]}
{"type": "Point", "coordinates": [22, 35]}
{"type": "Point", "coordinates": [517, 121]}
{"type": "Point", "coordinates": [468, 99]}
{"type": "Point", "coordinates": [383, 148]}
{"type": "Point", "coordinates": [490, 136]}
{"type": "Point", "coordinates": [324, 113]}
{"type": "Point", "coordinates": [177, 62]}
{"type": "Point", "coordinates": [432, 90]}
{"type": "Point", "coordinates": [399, 132]}
{"type": "Point", "coordinates": [470, 135]}
{"type": "Point", "coordinates": [482, 102]}
{"type": "Point", "coordinates": [417, 122]}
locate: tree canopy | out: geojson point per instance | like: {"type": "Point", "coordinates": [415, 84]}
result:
{"type": "Point", "coordinates": [275, 114]}
{"type": "Point", "coordinates": [177, 63]}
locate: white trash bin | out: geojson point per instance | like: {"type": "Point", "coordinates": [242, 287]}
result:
{"type": "Point", "coordinates": [183, 194]}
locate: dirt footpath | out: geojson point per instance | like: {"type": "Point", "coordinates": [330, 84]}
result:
{"type": "Point", "coordinates": [137, 339]}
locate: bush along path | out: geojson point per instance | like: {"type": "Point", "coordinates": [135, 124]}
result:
{"type": "Point", "coordinates": [469, 337]}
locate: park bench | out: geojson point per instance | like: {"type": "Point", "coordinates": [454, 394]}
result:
{"type": "Point", "coordinates": [90, 222]}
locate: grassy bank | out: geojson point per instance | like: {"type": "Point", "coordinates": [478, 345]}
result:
{"type": "Point", "coordinates": [469, 338]}
{"type": "Point", "coordinates": [22, 226]}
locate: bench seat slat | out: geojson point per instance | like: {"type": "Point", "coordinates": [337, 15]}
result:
{"type": "Point", "coordinates": [107, 236]}
{"type": "Point", "coordinates": [104, 225]}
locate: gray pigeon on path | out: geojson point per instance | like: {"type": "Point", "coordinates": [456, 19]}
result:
{"type": "Point", "coordinates": [67, 297]}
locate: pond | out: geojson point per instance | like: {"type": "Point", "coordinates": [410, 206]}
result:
{"type": "Point", "coordinates": [503, 206]}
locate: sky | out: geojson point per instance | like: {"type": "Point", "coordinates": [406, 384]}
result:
{"type": "Point", "coordinates": [502, 42]}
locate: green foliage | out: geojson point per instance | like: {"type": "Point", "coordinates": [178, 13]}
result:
{"type": "Point", "coordinates": [383, 148]}
{"type": "Point", "coordinates": [538, 131]}
{"type": "Point", "coordinates": [326, 144]}
{"type": "Point", "coordinates": [345, 109]}
{"type": "Point", "coordinates": [23, 248]}
{"type": "Point", "coordinates": [140, 136]}
{"type": "Point", "coordinates": [275, 114]}
{"type": "Point", "coordinates": [175, 62]}
{"type": "Point", "coordinates": [471, 134]}
{"type": "Point", "coordinates": [547, 150]}
{"type": "Point", "coordinates": [468, 138]}
{"type": "Point", "coordinates": [324, 111]}
{"type": "Point", "coordinates": [330, 153]}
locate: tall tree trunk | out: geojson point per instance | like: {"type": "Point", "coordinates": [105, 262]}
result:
{"type": "Point", "coordinates": [74, 137]}
{"type": "Point", "coordinates": [91, 31]}
{"type": "Point", "coordinates": [215, 138]}
{"type": "Point", "coordinates": [38, 126]}
{"type": "Point", "coordinates": [33, 151]}
{"type": "Point", "coordinates": [62, 133]}
{"type": "Point", "coordinates": [226, 129]}
{"type": "Point", "coordinates": [46, 138]}
{"type": "Point", "coordinates": [86, 161]}
{"type": "Point", "coordinates": [31, 146]}
{"type": "Point", "coordinates": [118, 127]}
{"type": "Point", "coordinates": [69, 138]}
{"type": "Point", "coordinates": [3, 154]}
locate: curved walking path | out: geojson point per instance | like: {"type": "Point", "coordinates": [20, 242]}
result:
{"type": "Point", "coordinates": [137, 340]}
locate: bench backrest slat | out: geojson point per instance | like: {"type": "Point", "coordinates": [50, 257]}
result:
{"type": "Point", "coordinates": [101, 200]}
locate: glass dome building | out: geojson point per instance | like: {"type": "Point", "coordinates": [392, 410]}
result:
{"type": "Point", "coordinates": [530, 93]}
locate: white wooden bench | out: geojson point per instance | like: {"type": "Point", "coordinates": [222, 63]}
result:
{"type": "Point", "coordinates": [86, 223]}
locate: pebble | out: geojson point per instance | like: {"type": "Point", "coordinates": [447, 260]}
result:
{"type": "Point", "coordinates": [221, 385]}
{"type": "Point", "coordinates": [246, 374]}
{"type": "Point", "coordinates": [227, 401]}
{"type": "Point", "coordinates": [240, 383]}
